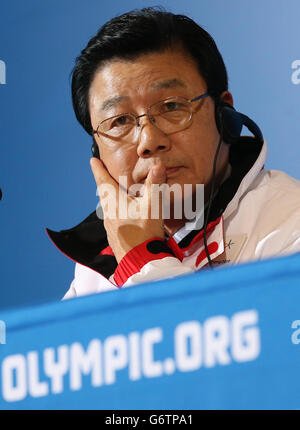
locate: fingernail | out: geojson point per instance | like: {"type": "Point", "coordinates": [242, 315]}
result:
{"type": "Point", "coordinates": [92, 162]}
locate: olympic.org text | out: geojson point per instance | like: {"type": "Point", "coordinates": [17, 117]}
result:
{"type": "Point", "coordinates": [118, 205]}
{"type": "Point", "coordinates": [295, 78]}
{"type": "Point", "coordinates": [217, 341]}
{"type": "Point", "coordinates": [2, 72]}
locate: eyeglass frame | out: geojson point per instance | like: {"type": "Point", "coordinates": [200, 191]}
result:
{"type": "Point", "coordinates": [137, 117]}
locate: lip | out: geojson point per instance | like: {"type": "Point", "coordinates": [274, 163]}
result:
{"type": "Point", "coordinates": [172, 171]}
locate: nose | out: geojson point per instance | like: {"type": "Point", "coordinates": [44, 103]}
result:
{"type": "Point", "coordinates": [152, 140]}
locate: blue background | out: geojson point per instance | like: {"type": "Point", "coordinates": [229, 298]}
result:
{"type": "Point", "coordinates": [45, 174]}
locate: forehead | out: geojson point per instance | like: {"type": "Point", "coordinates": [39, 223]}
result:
{"type": "Point", "coordinates": [149, 75]}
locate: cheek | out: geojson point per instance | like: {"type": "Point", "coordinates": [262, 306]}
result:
{"type": "Point", "coordinates": [199, 146]}
{"type": "Point", "coordinates": [206, 139]}
{"type": "Point", "coordinates": [119, 163]}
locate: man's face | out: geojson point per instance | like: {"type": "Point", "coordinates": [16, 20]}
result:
{"type": "Point", "coordinates": [130, 87]}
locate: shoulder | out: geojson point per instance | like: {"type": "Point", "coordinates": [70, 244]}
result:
{"type": "Point", "coordinates": [277, 188]}
{"type": "Point", "coordinates": [280, 178]}
{"type": "Point", "coordinates": [270, 212]}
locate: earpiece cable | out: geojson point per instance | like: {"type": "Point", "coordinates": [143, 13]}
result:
{"type": "Point", "coordinates": [211, 195]}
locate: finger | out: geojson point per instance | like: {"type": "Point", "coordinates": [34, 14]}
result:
{"type": "Point", "coordinates": [101, 175]}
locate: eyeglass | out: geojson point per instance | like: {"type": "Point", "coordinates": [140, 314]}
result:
{"type": "Point", "coordinates": [170, 115]}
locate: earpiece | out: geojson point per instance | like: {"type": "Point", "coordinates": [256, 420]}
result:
{"type": "Point", "coordinates": [230, 123]}
{"type": "Point", "coordinates": [95, 150]}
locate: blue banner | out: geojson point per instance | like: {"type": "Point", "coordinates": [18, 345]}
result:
{"type": "Point", "coordinates": [222, 339]}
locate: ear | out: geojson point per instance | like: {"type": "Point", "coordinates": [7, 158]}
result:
{"type": "Point", "coordinates": [226, 97]}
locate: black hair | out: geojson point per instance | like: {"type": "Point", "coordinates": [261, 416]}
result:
{"type": "Point", "coordinates": [140, 32]}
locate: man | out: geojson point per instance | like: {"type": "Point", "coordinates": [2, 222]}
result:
{"type": "Point", "coordinates": [151, 88]}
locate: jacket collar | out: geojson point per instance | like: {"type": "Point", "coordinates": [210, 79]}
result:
{"type": "Point", "coordinates": [253, 167]}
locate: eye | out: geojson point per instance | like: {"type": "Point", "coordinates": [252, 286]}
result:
{"type": "Point", "coordinates": [171, 106]}
{"type": "Point", "coordinates": [117, 126]}
{"type": "Point", "coordinates": [122, 121]}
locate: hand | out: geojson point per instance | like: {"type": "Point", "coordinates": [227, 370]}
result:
{"type": "Point", "coordinates": [126, 231]}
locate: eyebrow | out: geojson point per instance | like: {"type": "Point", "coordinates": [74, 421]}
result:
{"type": "Point", "coordinates": [169, 83]}
{"type": "Point", "coordinates": [107, 104]}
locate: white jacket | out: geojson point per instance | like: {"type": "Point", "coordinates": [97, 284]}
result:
{"type": "Point", "coordinates": [262, 220]}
